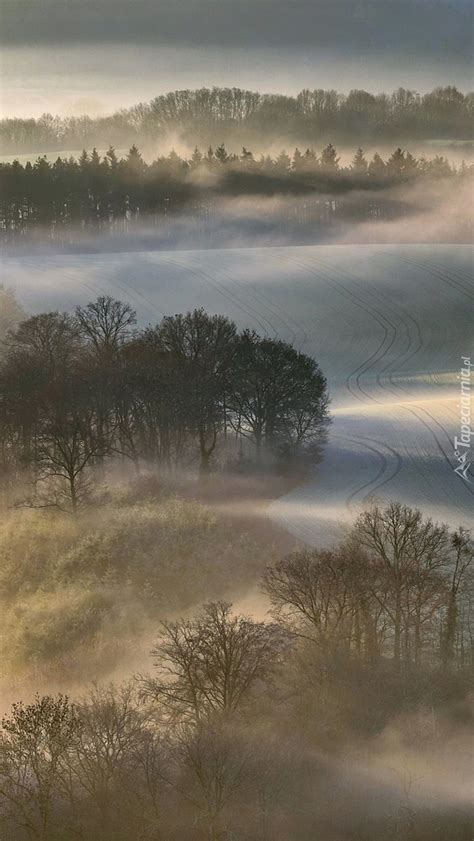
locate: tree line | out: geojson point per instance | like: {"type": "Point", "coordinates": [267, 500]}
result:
{"type": "Point", "coordinates": [247, 116]}
{"type": "Point", "coordinates": [80, 391]}
{"type": "Point", "coordinates": [227, 736]}
{"type": "Point", "coordinates": [109, 193]}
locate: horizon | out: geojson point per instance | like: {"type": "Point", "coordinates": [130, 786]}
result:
{"type": "Point", "coordinates": [117, 53]}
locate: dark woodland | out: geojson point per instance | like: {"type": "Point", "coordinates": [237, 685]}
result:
{"type": "Point", "coordinates": [78, 391]}
{"type": "Point", "coordinates": [116, 196]}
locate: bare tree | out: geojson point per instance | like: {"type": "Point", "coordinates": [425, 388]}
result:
{"type": "Point", "coordinates": [463, 550]}
{"type": "Point", "coordinates": [310, 591]}
{"type": "Point", "coordinates": [211, 663]}
{"type": "Point", "coordinates": [215, 757]}
{"type": "Point", "coordinates": [116, 762]}
{"type": "Point", "coordinates": [64, 451]}
{"type": "Point", "coordinates": [409, 551]}
{"type": "Point", "coordinates": [106, 324]}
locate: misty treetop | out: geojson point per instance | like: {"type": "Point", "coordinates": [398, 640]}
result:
{"type": "Point", "coordinates": [78, 392]}
{"type": "Point", "coordinates": [109, 193]}
{"type": "Point", "coordinates": [244, 116]}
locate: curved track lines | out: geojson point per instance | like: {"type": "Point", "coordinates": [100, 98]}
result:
{"type": "Point", "coordinates": [202, 275]}
{"type": "Point", "coordinates": [358, 392]}
{"type": "Point", "coordinates": [380, 479]}
{"type": "Point", "coordinates": [440, 274]}
{"type": "Point", "coordinates": [398, 314]}
{"type": "Point", "coordinates": [395, 321]}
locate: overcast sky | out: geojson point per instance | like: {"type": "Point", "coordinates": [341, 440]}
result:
{"type": "Point", "coordinates": [63, 54]}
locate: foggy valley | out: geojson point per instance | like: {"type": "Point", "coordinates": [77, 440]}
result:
{"type": "Point", "coordinates": [236, 481]}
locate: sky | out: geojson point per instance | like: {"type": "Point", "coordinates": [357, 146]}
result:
{"type": "Point", "coordinates": [94, 56]}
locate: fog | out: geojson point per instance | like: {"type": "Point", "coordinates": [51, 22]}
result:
{"type": "Point", "coordinates": [102, 79]}
{"type": "Point", "coordinates": [236, 576]}
{"type": "Point", "coordinates": [343, 745]}
{"type": "Point", "coordinates": [117, 52]}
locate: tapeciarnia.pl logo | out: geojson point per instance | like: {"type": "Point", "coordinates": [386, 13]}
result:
{"type": "Point", "coordinates": [462, 445]}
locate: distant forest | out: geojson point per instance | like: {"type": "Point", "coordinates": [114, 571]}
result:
{"type": "Point", "coordinates": [112, 195]}
{"type": "Point", "coordinates": [241, 116]}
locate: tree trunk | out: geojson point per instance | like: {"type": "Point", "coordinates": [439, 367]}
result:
{"type": "Point", "coordinates": [73, 493]}
{"type": "Point", "coordinates": [449, 636]}
{"type": "Point", "coordinates": [206, 451]}
{"type": "Point", "coordinates": [397, 630]}
{"type": "Point", "coordinates": [417, 637]}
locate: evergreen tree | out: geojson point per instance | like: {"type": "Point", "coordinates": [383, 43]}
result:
{"type": "Point", "coordinates": [359, 163]}
{"type": "Point", "coordinates": [221, 154]}
{"type": "Point", "coordinates": [396, 162]}
{"type": "Point", "coordinates": [196, 158]}
{"type": "Point", "coordinates": [283, 162]}
{"type": "Point", "coordinates": [329, 159]}
{"type": "Point", "coordinates": [377, 167]}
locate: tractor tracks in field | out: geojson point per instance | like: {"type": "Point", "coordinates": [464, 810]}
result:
{"type": "Point", "coordinates": [264, 319]}
{"type": "Point", "coordinates": [441, 273]}
{"type": "Point", "coordinates": [393, 320]}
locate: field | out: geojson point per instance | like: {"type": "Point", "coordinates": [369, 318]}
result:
{"type": "Point", "coordinates": [388, 325]}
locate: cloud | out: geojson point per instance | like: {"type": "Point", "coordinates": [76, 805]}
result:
{"type": "Point", "coordinates": [423, 28]}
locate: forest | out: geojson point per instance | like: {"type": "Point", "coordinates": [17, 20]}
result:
{"type": "Point", "coordinates": [236, 116]}
{"type": "Point", "coordinates": [58, 201]}
{"type": "Point", "coordinates": [79, 391]}
{"type": "Point", "coordinates": [250, 729]}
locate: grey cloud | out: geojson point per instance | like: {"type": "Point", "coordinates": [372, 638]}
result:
{"type": "Point", "coordinates": [437, 30]}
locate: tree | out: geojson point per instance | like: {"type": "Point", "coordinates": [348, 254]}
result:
{"type": "Point", "coordinates": [106, 324]}
{"type": "Point", "coordinates": [278, 395]}
{"type": "Point", "coordinates": [246, 156]}
{"type": "Point", "coordinates": [204, 347]}
{"type": "Point", "coordinates": [211, 663]}
{"type": "Point", "coordinates": [313, 593]}
{"type": "Point", "coordinates": [65, 446]}
{"type": "Point", "coordinates": [49, 340]}
{"type": "Point", "coordinates": [377, 167]}
{"type": "Point", "coordinates": [298, 159]}
{"type": "Point", "coordinates": [117, 763]}
{"type": "Point", "coordinates": [283, 162]}
{"type": "Point", "coordinates": [359, 163]}
{"type": "Point", "coordinates": [329, 159]}
{"type": "Point", "coordinates": [462, 547]}
{"type": "Point", "coordinates": [396, 163]}
{"type": "Point", "coordinates": [409, 552]}
{"type": "Point", "coordinates": [36, 741]}
{"type": "Point", "coordinates": [40, 357]}
{"type": "Point", "coordinates": [11, 314]}
{"type": "Point", "coordinates": [221, 154]}
{"type": "Point", "coordinates": [196, 159]}
{"type": "Point", "coordinates": [111, 159]}
{"type": "Point", "coordinates": [213, 754]}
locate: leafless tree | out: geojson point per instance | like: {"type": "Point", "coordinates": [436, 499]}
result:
{"type": "Point", "coordinates": [311, 592]}
{"type": "Point", "coordinates": [463, 551]}
{"type": "Point", "coordinates": [211, 663]}
{"type": "Point", "coordinates": [214, 758]}
{"type": "Point", "coordinates": [106, 324]}
{"type": "Point", "coordinates": [409, 551]}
